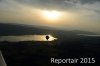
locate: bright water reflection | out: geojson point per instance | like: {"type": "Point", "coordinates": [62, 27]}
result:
{"type": "Point", "coordinates": [27, 38]}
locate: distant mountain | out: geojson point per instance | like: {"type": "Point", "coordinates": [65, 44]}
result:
{"type": "Point", "coordinates": [19, 29]}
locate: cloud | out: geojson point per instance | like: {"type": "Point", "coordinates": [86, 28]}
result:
{"type": "Point", "coordinates": [85, 7]}
{"type": "Point", "coordinates": [91, 5]}
{"type": "Point", "coordinates": [87, 12]}
{"type": "Point", "coordinates": [89, 1]}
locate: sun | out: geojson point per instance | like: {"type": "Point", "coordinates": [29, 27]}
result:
{"type": "Point", "coordinates": [51, 15]}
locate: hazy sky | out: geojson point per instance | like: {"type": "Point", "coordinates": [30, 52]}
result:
{"type": "Point", "coordinates": [76, 14]}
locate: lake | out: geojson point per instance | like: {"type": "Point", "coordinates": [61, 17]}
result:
{"type": "Point", "coordinates": [27, 38]}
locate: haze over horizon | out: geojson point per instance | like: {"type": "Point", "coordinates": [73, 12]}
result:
{"type": "Point", "coordinates": [61, 14]}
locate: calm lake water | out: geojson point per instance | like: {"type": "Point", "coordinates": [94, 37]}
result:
{"type": "Point", "coordinates": [27, 38]}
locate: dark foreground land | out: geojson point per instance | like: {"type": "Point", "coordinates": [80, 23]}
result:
{"type": "Point", "coordinates": [30, 53]}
